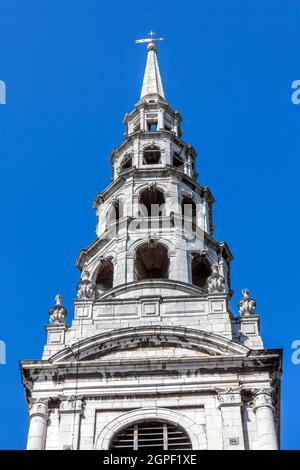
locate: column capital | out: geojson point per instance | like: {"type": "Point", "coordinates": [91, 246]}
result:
{"type": "Point", "coordinates": [39, 407]}
{"type": "Point", "coordinates": [262, 398]}
{"type": "Point", "coordinates": [72, 404]}
{"type": "Point", "coordinates": [229, 396]}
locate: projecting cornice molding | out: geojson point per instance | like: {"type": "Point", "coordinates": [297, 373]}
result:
{"type": "Point", "coordinates": [150, 336]}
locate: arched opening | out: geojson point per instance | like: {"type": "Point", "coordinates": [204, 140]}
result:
{"type": "Point", "coordinates": [151, 155]}
{"type": "Point", "coordinates": [151, 201]}
{"type": "Point", "coordinates": [156, 435]}
{"type": "Point", "coordinates": [178, 161]}
{"type": "Point", "coordinates": [201, 270]}
{"type": "Point", "coordinates": [193, 166]}
{"type": "Point", "coordinates": [188, 211]}
{"type": "Point", "coordinates": [126, 163]}
{"type": "Point", "coordinates": [151, 262]}
{"type": "Point", "coordinates": [113, 215]}
{"type": "Point", "coordinates": [105, 275]}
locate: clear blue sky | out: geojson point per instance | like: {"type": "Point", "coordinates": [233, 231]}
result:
{"type": "Point", "coordinates": [72, 71]}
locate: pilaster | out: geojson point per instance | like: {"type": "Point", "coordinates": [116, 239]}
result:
{"type": "Point", "coordinates": [71, 410]}
{"type": "Point", "coordinates": [230, 403]}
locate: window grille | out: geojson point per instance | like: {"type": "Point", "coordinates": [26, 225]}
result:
{"type": "Point", "coordinates": [154, 435]}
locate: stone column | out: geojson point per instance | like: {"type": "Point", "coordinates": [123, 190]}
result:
{"type": "Point", "coordinates": [38, 425]}
{"type": "Point", "coordinates": [119, 264]}
{"type": "Point", "coordinates": [189, 267]}
{"type": "Point", "coordinates": [142, 119]}
{"type": "Point", "coordinates": [129, 267]}
{"type": "Point", "coordinates": [230, 405]}
{"type": "Point", "coordinates": [160, 124]}
{"type": "Point", "coordinates": [189, 166]}
{"type": "Point", "coordinates": [265, 420]}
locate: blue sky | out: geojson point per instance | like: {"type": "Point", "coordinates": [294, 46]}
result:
{"type": "Point", "coordinates": [72, 71]}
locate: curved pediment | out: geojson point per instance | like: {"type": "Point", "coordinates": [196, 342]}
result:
{"type": "Point", "coordinates": [160, 287]}
{"type": "Point", "coordinates": [152, 352]}
{"type": "Point", "coordinates": [124, 341]}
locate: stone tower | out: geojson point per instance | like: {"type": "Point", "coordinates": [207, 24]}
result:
{"type": "Point", "coordinates": [154, 357]}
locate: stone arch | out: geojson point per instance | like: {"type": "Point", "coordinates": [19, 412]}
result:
{"type": "Point", "coordinates": [145, 435]}
{"type": "Point", "coordinates": [151, 201]}
{"type": "Point", "coordinates": [104, 276]}
{"type": "Point", "coordinates": [152, 154]}
{"type": "Point", "coordinates": [113, 213]}
{"type": "Point", "coordinates": [178, 160]}
{"type": "Point", "coordinates": [137, 243]}
{"type": "Point", "coordinates": [95, 265]}
{"type": "Point", "coordinates": [188, 210]}
{"type": "Point", "coordinates": [194, 431]}
{"type": "Point", "coordinates": [151, 261]}
{"type": "Point", "coordinates": [127, 338]}
{"type": "Point", "coordinates": [201, 270]}
{"type": "Point", "coordinates": [126, 162]}
{"type": "Point", "coordinates": [142, 187]}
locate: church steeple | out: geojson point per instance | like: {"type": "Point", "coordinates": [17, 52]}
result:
{"type": "Point", "coordinates": [152, 84]}
{"type": "Point", "coordinates": [152, 112]}
{"type": "Point", "coordinates": [152, 325]}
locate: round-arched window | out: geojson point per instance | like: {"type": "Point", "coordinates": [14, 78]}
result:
{"type": "Point", "coordinates": [151, 155]}
{"type": "Point", "coordinates": [151, 262]}
{"type": "Point", "coordinates": [156, 435]}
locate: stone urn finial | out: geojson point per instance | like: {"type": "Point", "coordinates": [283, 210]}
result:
{"type": "Point", "coordinates": [215, 282]}
{"type": "Point", "coordinates": [247, 305]}
{"type": "Point", "coordinates": [58, 313]}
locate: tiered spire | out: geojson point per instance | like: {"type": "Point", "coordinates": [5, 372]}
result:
{"type": "Point", "coordinates": [152, 83]}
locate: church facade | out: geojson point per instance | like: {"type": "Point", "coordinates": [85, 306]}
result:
{"type": "Point", "coordinates": [154, 357]}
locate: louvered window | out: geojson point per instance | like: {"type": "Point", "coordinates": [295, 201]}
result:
{"type": "Point", "coordinates": [154, 435]}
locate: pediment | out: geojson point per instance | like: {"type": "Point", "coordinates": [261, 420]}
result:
{"type": "Point", "coordinates": [154, 340]}
{"type": "Point", "coordinates": [154, 352]}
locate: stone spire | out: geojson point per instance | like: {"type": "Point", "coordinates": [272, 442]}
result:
{"type": "Point", "coordinates": [152, 83]}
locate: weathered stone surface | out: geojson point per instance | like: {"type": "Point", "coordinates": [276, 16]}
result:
{"type": "Point", "coordinates": [153, 336]}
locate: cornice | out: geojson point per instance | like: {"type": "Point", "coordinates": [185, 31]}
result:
{"type": "Point", "coordinates": [265, 359]}
{"type": "Point", "coordinates": [170, 135]}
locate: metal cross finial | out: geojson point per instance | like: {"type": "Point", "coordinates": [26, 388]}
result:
{"type": "Point", "coordinates": [152, 38]}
